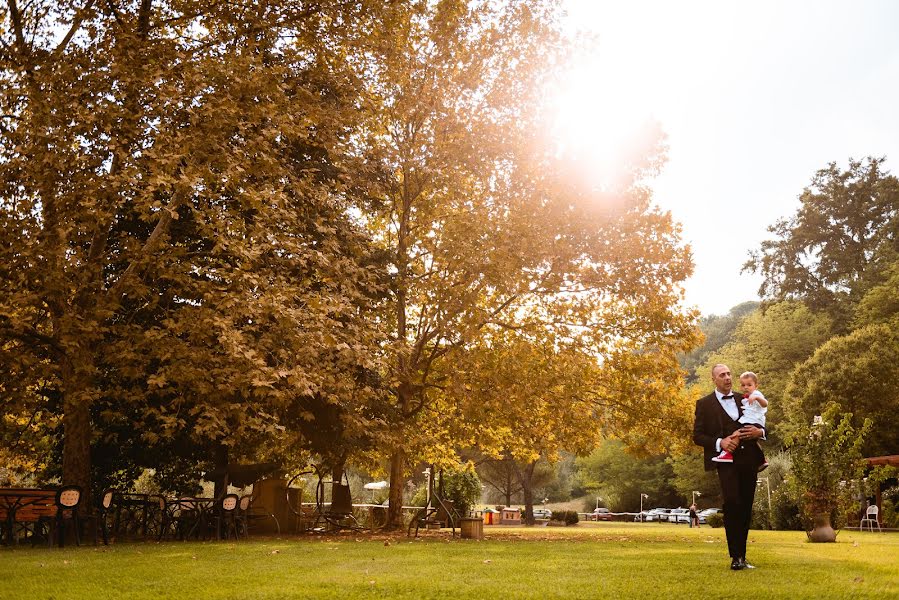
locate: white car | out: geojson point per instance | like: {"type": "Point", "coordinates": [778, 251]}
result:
{"type": "Point", "coordinates": [679, 515]}
{"type": "Point", "coordinates": [542, 513]}
{"type": "Point", "coordinates": [704, 514]}
{"type": "Point", "coordinates": [657, 514]}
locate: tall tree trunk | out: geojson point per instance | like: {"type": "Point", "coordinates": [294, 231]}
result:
{"type": "Point", "coordinates": [395, 498]}
{"type": "Point", "coordinates": [76, 423]}
{"type": "Point", "coordinates": [525, 477]}
{"type": "Point", "coordinates": [221, 465]}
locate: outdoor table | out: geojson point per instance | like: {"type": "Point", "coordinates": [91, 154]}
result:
{"type": "Point", "coordinates": [42, 502]}
{"type": "Point", "coordinates": [136, 513]}
{"type": "Point", "coordinates": [193, 515]}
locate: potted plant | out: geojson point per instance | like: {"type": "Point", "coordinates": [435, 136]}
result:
{"type": "Point", "coordinates": [826, 457]}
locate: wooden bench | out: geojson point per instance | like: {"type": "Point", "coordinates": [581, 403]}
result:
{"type": "Point", "coordinates": [20, 507]}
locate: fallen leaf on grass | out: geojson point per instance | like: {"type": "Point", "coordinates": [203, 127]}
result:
{"type": "Point", "coordinates": [858, 579]}
{"type": "Point", "coordinates": [275, 552]}
{"type": "Point", "coordinates": [488, 561]}
{"type": "Point", "coordinates": [386, 543]}
{"type": "Point", "coordinates": [372, 582]}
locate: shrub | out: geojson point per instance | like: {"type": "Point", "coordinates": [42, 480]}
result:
{"type": "Point", "coordinates": [784, 510]}
{"type": "Point", "coordinates": [569, 517]}
{"type": "Point", "coordinates": [462, 488]}
{"type": "Point", "coordinates": [890, 517]}
{"type": "Point", "coordinates": [781, 511]}
{"type": "Point", "coordinates": [715, 520]}
{"type": "Point", "coordinates": [827, 454]}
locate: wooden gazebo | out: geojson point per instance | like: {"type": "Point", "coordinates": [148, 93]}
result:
{"type": "Point", "coordinates": [877, 461]}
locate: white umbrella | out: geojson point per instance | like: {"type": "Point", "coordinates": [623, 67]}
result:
{"type": "Point", "coordinates": [376, 485]}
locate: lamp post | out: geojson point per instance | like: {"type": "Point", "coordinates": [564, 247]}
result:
{"type": "Point", "coordinates": [597, 501]}
{"type": "Point", "coordinates": [427, 474]}
{"type": "Point", "coordinates": [695, 493]}
{"type": "Point", "coordinates": [641, 505]}
{"type": "Point", "coordinates": [768, 487]}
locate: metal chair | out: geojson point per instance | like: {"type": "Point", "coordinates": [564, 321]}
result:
{"type": "Point", "coordinates": [871, 519]}
{"type": "Point", "coordinates": [67, 500]}
{"type": "Point", "coordinates": [246, 512]}
{"type": "Point", "coordinates": [102, 516]}
{"type": "Point", "coordinates": [226, 517]}
{"type": "Point", "coordinates": [184, 517]}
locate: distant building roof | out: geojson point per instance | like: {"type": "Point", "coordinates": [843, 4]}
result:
{"type": "Point", "coordinates": [876, 461]}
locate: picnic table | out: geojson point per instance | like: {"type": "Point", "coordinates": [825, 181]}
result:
{"type": "Point", "coordinates": [194, 516]}
{"type": "Point", "coordinates": [24, 507]}
{"type": "Point", "coordinates": [139, 515]}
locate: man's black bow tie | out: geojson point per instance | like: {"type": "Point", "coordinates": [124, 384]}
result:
{"type": "Point", "coordinates": [728, 397]}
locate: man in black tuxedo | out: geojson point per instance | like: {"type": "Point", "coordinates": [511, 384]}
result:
{"type": "Point", "coordinates": [716, 428]}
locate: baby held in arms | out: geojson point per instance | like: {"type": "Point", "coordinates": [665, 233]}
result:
{"type": "Point", "coordinates": [755, 405]}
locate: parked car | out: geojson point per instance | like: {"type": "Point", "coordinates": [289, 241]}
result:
{"type": "Point", "coordinates": [542, 513]}
{"type": "Point", "coordinates": [703, 514]}
{"type": "Point", "coordinates": [601, 514]}
{"type": "Point", "coordinates": [658, 515]}
{"type": "Point", "coordinates": [679, 515]}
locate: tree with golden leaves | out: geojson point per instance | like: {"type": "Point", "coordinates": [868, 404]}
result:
{"type": "Point", "coordinates": [480, 222]}
{"type": "Point", "coordinates": [177, 256]}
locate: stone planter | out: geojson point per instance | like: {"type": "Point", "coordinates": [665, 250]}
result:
{"type": "Point", "coordinates": [822, 532]}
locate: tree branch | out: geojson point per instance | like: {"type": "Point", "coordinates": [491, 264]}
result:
{"type": "Point", "coordinates": [162, 225]}
{"type": "Point", "coordinates": [76, 25]}
{"type": "Point", "coordinates": [16, 18]}
{"type": "Point", "coordinates": [26, 334]}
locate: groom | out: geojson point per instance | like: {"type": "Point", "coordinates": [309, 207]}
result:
{"type": "Point", "coordinates": [716, 428]}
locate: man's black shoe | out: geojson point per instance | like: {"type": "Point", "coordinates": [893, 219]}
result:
{"type": "Point", "coordinates": [737, 564]}
{"type": "Point", "coordinates": [745, 565]}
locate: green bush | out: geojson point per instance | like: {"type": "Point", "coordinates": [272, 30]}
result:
{"type": "Point", "coordinates": [785, 510]}
{"type": "Point", "coordinates": [569, 517]}
{"type": "Point", "coordinates": [715, 520]}
{"type": "Point", "coordinates": [782, 511]}
{"type": "Point", "coordinates": [825, 455]}
{"type": "Point", "coordinates": [462, 488]}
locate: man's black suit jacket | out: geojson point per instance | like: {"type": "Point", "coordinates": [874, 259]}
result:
{"type": "Point", "coordinates": [712, 422]}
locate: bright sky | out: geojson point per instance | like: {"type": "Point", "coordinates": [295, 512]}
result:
{"type": "Point", "coordinates": [754, 97]}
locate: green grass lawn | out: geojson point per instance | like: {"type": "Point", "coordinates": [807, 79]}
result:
{"type": "Point", "coordinates": [591, 560]}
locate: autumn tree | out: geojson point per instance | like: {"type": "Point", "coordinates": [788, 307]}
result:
{"type": "Point", "coordinates": [176, 245]}
{"type": "Point", "coordinates": [524, 399]}
{"type": "Point", "coordinates": [499, 474]}
{"type": "Point", "coordinates": [475, 212]}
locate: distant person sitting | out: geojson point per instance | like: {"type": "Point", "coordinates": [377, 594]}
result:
{"type": "Point", "coordinates": [755, 406]}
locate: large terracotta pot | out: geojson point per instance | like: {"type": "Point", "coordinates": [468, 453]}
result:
{"type": "Point", "coordinates": [822, 532]}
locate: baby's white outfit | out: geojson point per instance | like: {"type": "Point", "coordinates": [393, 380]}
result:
{"type": "Point", "coordinates": [753, 413]}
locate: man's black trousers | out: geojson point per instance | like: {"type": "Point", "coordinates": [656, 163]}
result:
{"type": "Point", "coordinates": [738, 488]}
